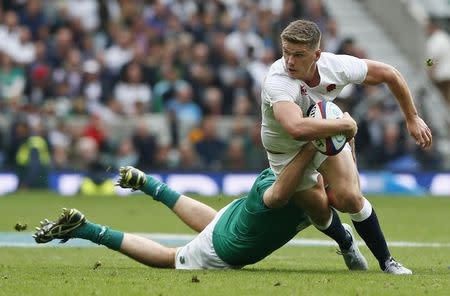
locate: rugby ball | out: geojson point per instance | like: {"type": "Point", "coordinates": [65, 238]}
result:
{"type": "Point", "coordinates": [328, 110]}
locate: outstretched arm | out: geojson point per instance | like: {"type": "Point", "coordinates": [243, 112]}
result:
{"type": "Point", "coordinates": [284, 187]}
{"type": "Point", "coordinates": [383, 73]}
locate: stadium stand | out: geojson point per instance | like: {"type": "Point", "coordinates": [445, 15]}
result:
{"type": "Point", "coordinates": [101, 81]}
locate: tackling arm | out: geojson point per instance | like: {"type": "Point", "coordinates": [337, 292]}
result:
{"type": "Point", "coordinates": [284, 187]}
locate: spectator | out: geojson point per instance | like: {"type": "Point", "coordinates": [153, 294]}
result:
{"type": "Point", "coordinates": [84, 11]}
{"type": "Point", "coordinates": [32, 16]}
{"type": "Point", "coordinates": [125, 154]}
{"type": "Point", "coordinates": [200, 74]}
{"type": "Point", "coordinates": [12, 83]}
{"type": "Point", "coordinates": [212, 101]}
{"type": "Point", "coordinates": [210, 147]}
{"type": "Point", "coordinates": [9, 30]}
{"type": "Point", "coordinates": [119, 53]}
{"type": "Point", "coordinates": [21, 49]}
{"type": "Point", "coordinates": [332, 40]}
{"type": "Point", "coordinates": [145, 144]}
{"type": "Point", "coordinates": [60, 142]}
{"type": "Point", "coordinates": [18, 133]}
{"type": "Point", "coordinates": [235, 155]}
{"type": "Point", "coordinates": [157, 20]}
{"type": "Point", "coordinates": [188, 157]}
{"type": "Point", "coordinates": [60, 46]}
{"type": "Point", "coordinates": [255, 153]}
{"type": "Point", "coordinates": [348, 46]}
{"type": "Point", "coordinates": [95, 181]}
{"type": "Point", "coordinates": [233, 78]}
{"type": "Point", "coordinates": [164, 89]}
{"type": "Point", "coordinates": [391, 149]}
{"type": "Point", "coordinates": [70, 73]}
{"type": "Point", "coordinates": [39, 88]}
{"type": "Point", "coordinates": [33, 158]}
{"type": "Point", "coordinates": [242, 106]}
{"type": "Point", "coordinates": [243, 39]}
{"type": "Point", "coordinates": [95, 130]}
{"type": "Point", "coordinates": [133, 94]}
{"type": "Point", "coordinates": [438, 51]}
{"type": "Point", "coordinates": [92, 87]}
{"type": "Point", "coordinates": [187, 113]}
{"type": "Point", "coordinates": [258, 69]}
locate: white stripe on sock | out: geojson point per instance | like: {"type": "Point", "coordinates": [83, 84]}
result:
{"type": "Point", "coordinates": [365, 212]}
{"type": "Point", "coordinates": [323, 227]}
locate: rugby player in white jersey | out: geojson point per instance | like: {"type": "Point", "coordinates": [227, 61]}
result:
{"type": "Point", "coordinates": [302, 76]}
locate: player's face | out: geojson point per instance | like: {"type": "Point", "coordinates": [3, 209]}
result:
{"type": "Point", "coordinates": [300, 60]}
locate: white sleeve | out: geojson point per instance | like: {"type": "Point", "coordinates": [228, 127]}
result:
{"type": "Point", "coordinates": [277, 88]}
{"type": "Point", "coordinates": [355, 69]}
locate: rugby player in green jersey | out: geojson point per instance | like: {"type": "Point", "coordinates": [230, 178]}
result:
{"type": "Point", "coordinates": [244, 232]}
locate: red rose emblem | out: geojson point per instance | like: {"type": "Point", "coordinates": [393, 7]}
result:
{"type": "Point", "coordinates": [331, 87]}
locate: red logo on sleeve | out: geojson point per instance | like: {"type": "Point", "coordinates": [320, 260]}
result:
{"type": "Point", "coordinates": [331, 87]}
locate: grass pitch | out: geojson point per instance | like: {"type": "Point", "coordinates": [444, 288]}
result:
{"type": "Point", "coordinates": [288, 271]}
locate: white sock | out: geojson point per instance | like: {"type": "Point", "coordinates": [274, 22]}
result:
{"type": "Point", "coordinates": [323, 227]}
{"type": "Point", "coordinates": [365, 212]}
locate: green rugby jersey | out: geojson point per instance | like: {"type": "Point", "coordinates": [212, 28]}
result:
{"type": "Point", "coordinates": [248, 231]}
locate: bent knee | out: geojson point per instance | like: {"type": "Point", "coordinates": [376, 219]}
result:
{"type": "Point", "coordinates": [316, 207]}
{"type": "Point", "coordinates": [346, 200]}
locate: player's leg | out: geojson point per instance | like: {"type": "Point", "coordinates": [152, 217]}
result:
{"type": "Point", "coordinates": [147, 252]}
{"type": "Point", "coordinates": [345, 195]}
{"type": "Point", "coordinates": [192, 212]}
{"type": "Point", "coordinates": [73, 224]}
{"type": "Point", "coordinates": [314, 202]}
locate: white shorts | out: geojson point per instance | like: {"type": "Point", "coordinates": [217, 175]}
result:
{"type": "Point", "coordinates": [200, 253]}
{"type": "Point", "coordinates": [279, 161]}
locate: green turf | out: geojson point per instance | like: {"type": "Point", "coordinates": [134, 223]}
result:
{"type": "Point", "coordinates": [289, 271]}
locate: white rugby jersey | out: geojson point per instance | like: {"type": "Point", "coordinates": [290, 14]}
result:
{"type": "Point", "coordinates": [336, 71]}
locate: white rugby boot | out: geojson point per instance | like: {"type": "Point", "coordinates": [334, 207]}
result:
{"type": "Point", "coordinates": [353, 257]}
{"type": "Point", "coordinates": [394, 267]}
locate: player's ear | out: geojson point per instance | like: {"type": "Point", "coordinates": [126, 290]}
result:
{"type": "Point", "coordinates": [317, 53]}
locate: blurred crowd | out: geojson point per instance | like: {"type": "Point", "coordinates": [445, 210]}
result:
{"type": "Point", "coordinates": [70, 68]}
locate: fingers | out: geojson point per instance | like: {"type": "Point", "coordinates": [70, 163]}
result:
{"type": "Point", "coordinates": [420, 131]}
{"type": "Point", "coordinates": [428, 137]}
{"type": "Point", "coordinates": [424, 139]}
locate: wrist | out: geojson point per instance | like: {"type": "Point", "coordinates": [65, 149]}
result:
{"type": "Point", "coordinates": [412, 116]}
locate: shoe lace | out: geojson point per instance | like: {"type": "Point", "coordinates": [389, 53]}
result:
{"type": "Point", "coordinates": [395, 264]}
{"type": "Point", "coordinates": [344, 252]}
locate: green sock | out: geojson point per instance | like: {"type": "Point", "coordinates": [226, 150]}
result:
{"type": "Point", "coordinates": [99, 234]}
{"type": "Point", "coordinates": [160, 192]}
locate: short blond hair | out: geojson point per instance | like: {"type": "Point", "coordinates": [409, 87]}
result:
{"type": "Point", "coordinates": [302, 31]}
